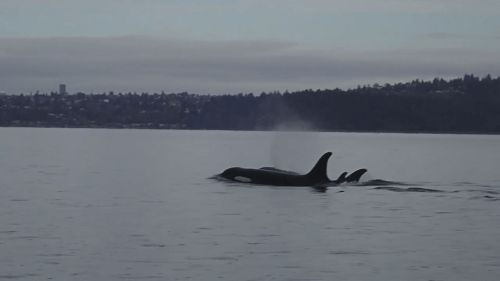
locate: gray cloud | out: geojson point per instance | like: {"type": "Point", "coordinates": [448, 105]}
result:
{"type": "Point", "coordinates": [445, 36]}
{"type": "Point", "coordinates": [150, 64]}
{"type": "Point", "coordinates": [449, 36]}
{"type": "Point", "coordinates": [407, 6]}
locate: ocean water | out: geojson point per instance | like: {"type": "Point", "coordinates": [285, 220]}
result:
{"type": "Point", "coordinates": [96, 204]}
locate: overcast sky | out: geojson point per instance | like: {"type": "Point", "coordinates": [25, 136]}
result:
{"type": "Point", "coordinates": [230, 47]}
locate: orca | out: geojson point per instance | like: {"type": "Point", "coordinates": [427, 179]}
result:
{"type": "Point", "coordinates": [409, 189]}
{"type": "Point", "coordinates": [381, 182]}
{"type": "Point", "coordinates": [279, 170]}
{"type": "Point", "coordinates": [317, 177]}
{"type": "Point", "coordinates": [355, 176]}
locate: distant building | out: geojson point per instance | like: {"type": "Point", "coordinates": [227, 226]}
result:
{"type": "Point", "coordinates": [62, 89]}
{"type": "Point", "coordinates": [2, 93]}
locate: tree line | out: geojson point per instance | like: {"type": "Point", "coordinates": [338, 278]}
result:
{"type": "Point", "coordinates": [463, 105]}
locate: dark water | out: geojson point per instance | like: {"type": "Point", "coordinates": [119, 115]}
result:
{"type": "Point", "coordinates": [137, 204]}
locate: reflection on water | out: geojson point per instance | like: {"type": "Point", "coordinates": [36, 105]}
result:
{"type": "Point", "coordinates": [125, 204]}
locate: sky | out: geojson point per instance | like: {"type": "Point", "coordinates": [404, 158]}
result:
{"type": "Point", "coordinates": [230, 47]}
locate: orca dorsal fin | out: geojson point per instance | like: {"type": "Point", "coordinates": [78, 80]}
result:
{"type": "Point", "coordinates": [319, 170]}
{"type": "Point", "coordinates": [355, 176]}
{"type": "Point", "coordinates": [341, 178]}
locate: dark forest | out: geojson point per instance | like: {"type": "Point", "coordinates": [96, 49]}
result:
{"type": "Point", "coordinates": [464, 105]}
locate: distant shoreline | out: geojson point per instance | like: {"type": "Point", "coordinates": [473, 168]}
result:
{"type": "Point", "coordinates": [467, 105]}
{"type": "Point", "coordinates": [243, 130]}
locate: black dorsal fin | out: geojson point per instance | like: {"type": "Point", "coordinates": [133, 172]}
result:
{"type": "Point", "coordinates": [319, 170]}
{"type": "Point", "coordinates": [341, 178]}
{"type": "Point", "coordinates": [354, 177]}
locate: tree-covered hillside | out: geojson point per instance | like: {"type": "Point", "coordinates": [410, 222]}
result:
{"type": "Point", "coordinates": [463, 105]}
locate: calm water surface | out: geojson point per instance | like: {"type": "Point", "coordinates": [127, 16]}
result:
{"type": "Point", "coordinates": [78, 204]}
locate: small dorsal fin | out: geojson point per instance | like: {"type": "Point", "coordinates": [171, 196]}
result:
{"type": "Point", "coordinates": [341, 178]}
{"type": "Point", "coordinates": [354, 177]}
{"type": "Point", "coordinates": [319, 170]}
